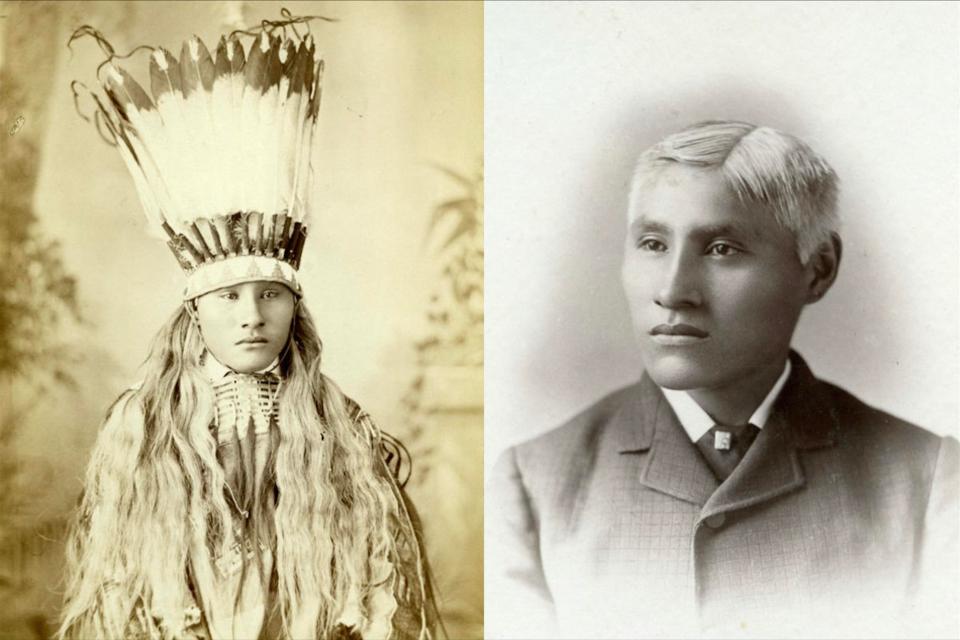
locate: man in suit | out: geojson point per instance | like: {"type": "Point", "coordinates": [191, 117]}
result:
{"type": "Point", "coordinates": [729, 492]}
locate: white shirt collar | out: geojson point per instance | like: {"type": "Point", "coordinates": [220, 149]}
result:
{"type": "Point", "coordinates": [216, 371]}
{"type": "Point", "coordinates": [696, 421]}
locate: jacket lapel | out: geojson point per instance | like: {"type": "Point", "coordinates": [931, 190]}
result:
{"type": "Point", "coordinates": [803, 418]}
{"type": "Point", "coordinates": [645, 424]}
{"type": "Point", "coordinates": [769, 469]}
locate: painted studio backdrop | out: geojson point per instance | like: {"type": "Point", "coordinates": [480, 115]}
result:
{"type": "Point", "coordinates": [392, 272]}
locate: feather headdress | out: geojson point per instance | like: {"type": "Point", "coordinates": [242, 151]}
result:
{"type": "Point", "coordinates": [219, 151]}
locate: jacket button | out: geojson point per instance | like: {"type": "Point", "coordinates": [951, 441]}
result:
{"type": "Point", "coordinates": [716, 520]}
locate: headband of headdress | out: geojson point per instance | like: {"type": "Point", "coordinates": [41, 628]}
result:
{"type": "Point", "coordinates": [220, 154]}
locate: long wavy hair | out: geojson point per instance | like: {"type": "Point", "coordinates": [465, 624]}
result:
{"type": "Point", "coordinates": [153, 515]}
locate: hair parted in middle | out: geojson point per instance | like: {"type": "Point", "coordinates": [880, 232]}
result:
{"type": "Point", "coordinates": [761, 166]}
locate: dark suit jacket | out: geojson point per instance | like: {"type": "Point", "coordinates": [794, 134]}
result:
{"type": "Point", "coordinates": [840, 520]}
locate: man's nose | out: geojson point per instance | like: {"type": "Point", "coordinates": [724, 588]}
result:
{"type": "Point", "coordinates": [251, 315]}
{"type": "Point", "coordinates": [681, 286]}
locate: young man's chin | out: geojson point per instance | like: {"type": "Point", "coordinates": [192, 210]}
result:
{"type": "Point", "coordinates": [679, 373]}
{"type": "Point", "coordinates": [249, 365]}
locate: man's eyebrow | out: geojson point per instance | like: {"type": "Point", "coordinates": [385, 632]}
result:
{"type": "Point", "coordinates": [644, 224]}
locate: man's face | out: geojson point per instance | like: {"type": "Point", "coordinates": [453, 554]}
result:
{"type": "Point", "coordinates": [715, 287]}
{"type": "Point", "coordinates": [246, 326]}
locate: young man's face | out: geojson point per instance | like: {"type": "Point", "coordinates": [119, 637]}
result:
{"type": "Point", "coordinates": [715, 287]}
{"type": "Point", "coordinates": [246, 326]}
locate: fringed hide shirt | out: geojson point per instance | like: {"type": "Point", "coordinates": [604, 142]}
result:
{"type": "Point", "coordinates": [246, 412]}
{"type": "Point", "coordinates": [245, 423]}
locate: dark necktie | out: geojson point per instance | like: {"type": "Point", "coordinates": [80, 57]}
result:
{"type": "Point", "coordinates": [724, 447]}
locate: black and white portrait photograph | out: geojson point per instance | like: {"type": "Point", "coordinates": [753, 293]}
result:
{"type": "Point", "coordinates": [242, 320]}
{"type": "Point", "coordinates": [721, 326]}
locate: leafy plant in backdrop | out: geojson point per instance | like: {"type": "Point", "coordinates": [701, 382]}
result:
{"type": "Point", "coordinates": [37, 297]}
{"type": "Point", "coordinates": [443, 407]}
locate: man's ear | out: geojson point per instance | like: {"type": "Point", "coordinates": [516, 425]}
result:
{"type": "Point", "coordinates": [822, 268]}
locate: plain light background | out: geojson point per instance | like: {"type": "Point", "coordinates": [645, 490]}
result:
{"type": "Point", "coordinates": [575, 91]}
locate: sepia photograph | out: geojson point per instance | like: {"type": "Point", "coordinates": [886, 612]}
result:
{"type": "Point", "coordinates": [268, 372]}
{"type": "Point", "coordinates": [721, 329]}
{"type": "Point", "coordinates": [242, 320]}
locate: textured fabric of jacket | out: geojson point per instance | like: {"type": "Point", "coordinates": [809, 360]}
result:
{"type": "Point", "coordinates": [841, 520]}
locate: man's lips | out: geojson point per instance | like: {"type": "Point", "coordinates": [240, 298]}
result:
{"type": "Point", "coordinates": [678, 330]}
{"type": "Point", "coordinates": [253, 341]}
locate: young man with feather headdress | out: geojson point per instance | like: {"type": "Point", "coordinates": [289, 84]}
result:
{"type": "Point", "coordinates": [236, 492]}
